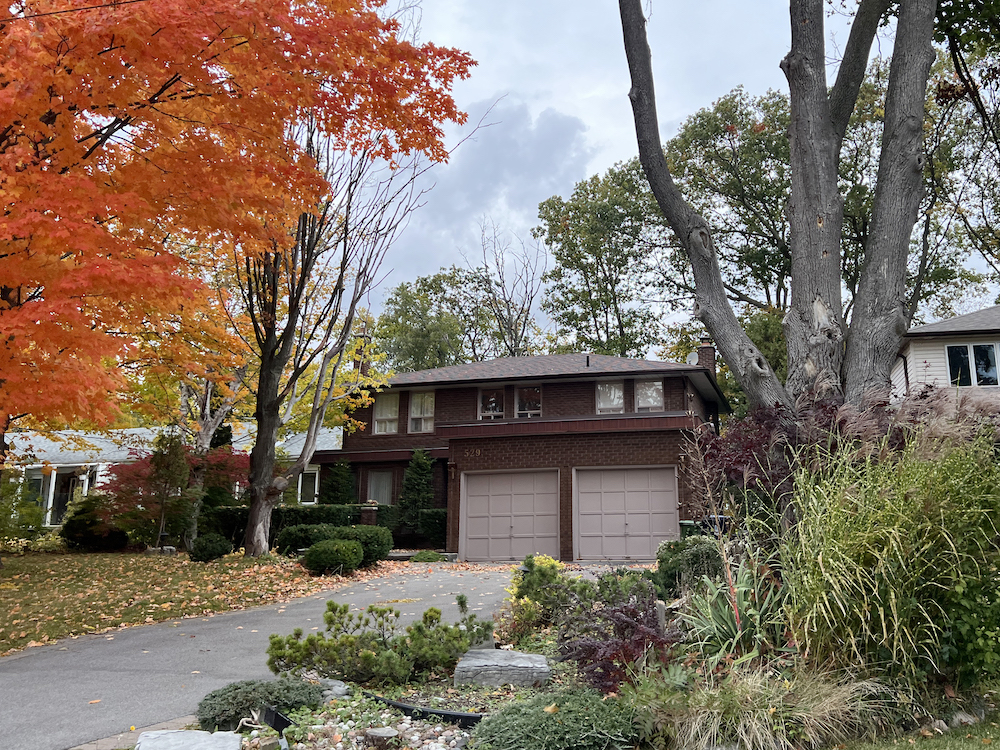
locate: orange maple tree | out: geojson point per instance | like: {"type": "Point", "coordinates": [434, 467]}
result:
{"type": "Point", "coordinates": [136, 134]}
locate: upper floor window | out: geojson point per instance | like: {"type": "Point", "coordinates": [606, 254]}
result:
{"type": "Point", "coordinates": [422, 412]}
{"type": "Point", "coordinates": [386, 413]}
{"type": "Point", "coordinates": [648, 395]}
{"type": "Point", "coordinates": [972, 364]}
{"type": "Point", "coordinates": [611, 398]}
{"type": "Point", "coordinates": [491, 403]}
{"type": "Point", "coordinates": [529, 401]}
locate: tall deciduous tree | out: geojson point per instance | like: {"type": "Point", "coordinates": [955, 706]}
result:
{"type": "Point", "coordinates": [303, 294]}
{"type": "Point", "coordinates": [127, 130]}
{"type": "Point", "coordinates": [602, 240]}
{"type": "Point", "coordinates": [825, 356]}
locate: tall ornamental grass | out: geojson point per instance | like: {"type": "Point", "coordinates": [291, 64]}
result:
{"type": "Point", "coordinates": [883, 548]}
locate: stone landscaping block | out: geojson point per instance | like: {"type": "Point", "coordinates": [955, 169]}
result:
{"type": "Point", "coordinates": [188, 739]}
{"type": "Point", "coordinates": [495, 668]}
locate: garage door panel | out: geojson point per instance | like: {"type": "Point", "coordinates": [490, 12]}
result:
{"type": "Point", "coordinates": [508, 513]}
{"type": "Point", "coordinates": [633, 512]}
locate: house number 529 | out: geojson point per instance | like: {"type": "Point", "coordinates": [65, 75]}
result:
{"type": "Point", "coordinates": [473, 452]}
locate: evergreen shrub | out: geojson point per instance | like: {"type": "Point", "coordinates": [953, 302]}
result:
{"type": "Point", "coordinates": [432, 524]}
{"type": "Point", "coordinates": [570, 719]}
{"type": "Point", "coordinates": [209, 547]}
{"type": "Point", "coordinates": [222, 709]}
{"type": "Point", "coordinates": [84, 530]}
{"type": "Point", "coordinates": [337, 555]}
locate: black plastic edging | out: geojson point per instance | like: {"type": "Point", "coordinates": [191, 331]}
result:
{"type": "Point", "coordinates": [464, 720]}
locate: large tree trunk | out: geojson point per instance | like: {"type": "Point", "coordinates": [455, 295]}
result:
{"type": "Point", "coordinates": [880, 315]}
{"type": "Point", "coordinates": [265, 489]}
{"type": "Point", "coordinates": [814, 324]}
{"type": "Point", "coordinates": [712, 307]}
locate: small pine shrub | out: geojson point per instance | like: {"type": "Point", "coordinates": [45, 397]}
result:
{"type": "Point", "coordinates": [428, 555]}
{"type": "Point", "coordinates": [338, 555]}
{"type": "Point", "coordinates": [417, 492]}
{"type": "Point", "coordinates": [368, 647]}
{"type": "Point", "coordinates": [567, 720]}
{"type": "Point", "coordinates": [338, 486]}
{"type": "Point", "coordinates": [543, 582]}
{"type": "Point", "coordinates": [222, 709]}
{"type": "Point", "coordinates": [210, 547]}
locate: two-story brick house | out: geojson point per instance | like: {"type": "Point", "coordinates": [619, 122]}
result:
{"type": "Point", "coordinates": [572, 455]}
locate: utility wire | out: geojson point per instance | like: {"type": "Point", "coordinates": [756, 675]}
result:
{"type": "Point", "coordinates": [71, 10]}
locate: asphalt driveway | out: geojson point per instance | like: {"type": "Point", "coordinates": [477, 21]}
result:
{"type": "Point", "coordinates": [76, 691]}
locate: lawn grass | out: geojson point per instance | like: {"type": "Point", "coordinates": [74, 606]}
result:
{"type": "Point", "coordinates": [45, 597]}
{"type": "Point", "coordinates": [977, 737]}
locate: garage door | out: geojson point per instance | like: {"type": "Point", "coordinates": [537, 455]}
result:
{"type": "Point", "coordinates": [624, 514]}
{"type": "Point", "coordinates": [509, 515]}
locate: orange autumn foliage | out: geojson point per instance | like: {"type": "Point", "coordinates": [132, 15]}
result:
{"type": "Point", "coordinates": [137, 137]}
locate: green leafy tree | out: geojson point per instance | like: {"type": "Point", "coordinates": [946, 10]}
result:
{"type": "Point", "coordinates": [602, 240]}
{"type": "Point", "coordinates": [417, 492]}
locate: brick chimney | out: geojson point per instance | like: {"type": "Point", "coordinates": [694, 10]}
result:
{"type": "Point", "coordinates": [706, 354]}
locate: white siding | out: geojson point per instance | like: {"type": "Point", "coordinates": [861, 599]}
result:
{"type": "Point", "coordinates": [897, 378]}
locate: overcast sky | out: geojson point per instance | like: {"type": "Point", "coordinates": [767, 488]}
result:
{"type": "Point", "coordinates": [555, 75]}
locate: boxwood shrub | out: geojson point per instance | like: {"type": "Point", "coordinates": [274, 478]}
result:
{"type": "Point", "coordinates": [210, 547]}
{"type": "Point", "coordinates": [293, 538]}
{"type": "Point", "coordinates": [337, 555]}
{"type": "Point", "coordinates": [376, 541]}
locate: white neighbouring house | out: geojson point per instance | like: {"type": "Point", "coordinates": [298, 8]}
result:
{"type": "Point", "coordinates": [55, 466]}
{"type": "Point", "coordinates": [957, 352]}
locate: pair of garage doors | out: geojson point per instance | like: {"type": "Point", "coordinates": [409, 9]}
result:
{"type": "Point", "coordinates": [618, 514]}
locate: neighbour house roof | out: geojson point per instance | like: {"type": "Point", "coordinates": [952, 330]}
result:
{"type": "Point", "coordinates": [985, 321]}
{"type": "Point", "coordinates": [558, 366]}
{"type": "Point", "coordinates": [75, 447]}
{"type": "Point", "coordinates": [329, 439]}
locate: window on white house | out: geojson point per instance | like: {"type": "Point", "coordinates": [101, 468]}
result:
{"type": "Point", "coordinates": [308, 486]}
{"type": "Point", "coordinates": [386, 413]}
{"type": "Point", "coordinates": [649, 395]}
{"type": "Point", "coordinates": [529, 402]}
{"type": "Point", "coordinates": [611, 398]}
{"type": "Point", "coordinates": [380, 487]}
{"type": "Point", "coordinates": [972, 364]}
{"type": "Point", "coordinates": [422, 412]}
{"type": "Point", "coordinates": [491, 403]}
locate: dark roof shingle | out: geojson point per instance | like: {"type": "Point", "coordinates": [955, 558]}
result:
{"type": "Point", "coordinates": [981, 321]}
{"type": "Point", "coordinates": [546, 366]}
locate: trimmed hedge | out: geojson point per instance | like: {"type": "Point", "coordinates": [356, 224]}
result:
{"type": "Point", "coordinates": [231, 520]}
{"type": "Point", "coordinates": [338, 555]}
{"type": "Point", "coordinates": [375, 540]}
{"type": "Point", "coordinates": [433, 524]}
{"type": "Point", "coordinates": [388, 516]}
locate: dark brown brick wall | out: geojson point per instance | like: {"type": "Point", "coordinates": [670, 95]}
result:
{"type": "Point", "coordinates": [569, 400]}
{"type": "Point", "coordinates": [673, 394]}
{"type": "Point", "coordinates": [562, 452]}
{"type": "Point", "coordinates": [366, 440]}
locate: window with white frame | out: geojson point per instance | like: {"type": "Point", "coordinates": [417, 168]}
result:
{"type": "Point", "coordinates": [529, 401]}
{"type": "Point", "coordinates": [309, 486]}
{"type": "Point", "coordinates": [972, 364]}
{"type": "Point", "coordinates": [491, 403]}
{"type": "Point", "coordinates": [380, 487]}
{"type": "Point", "coordinates": [422, 412]}
{"type": "Point", "coordinates": [386, 413]}
{"type": "Point", "coordinates": [648, 395]}
{"type": "Point", "coordinates": [611, 398]}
